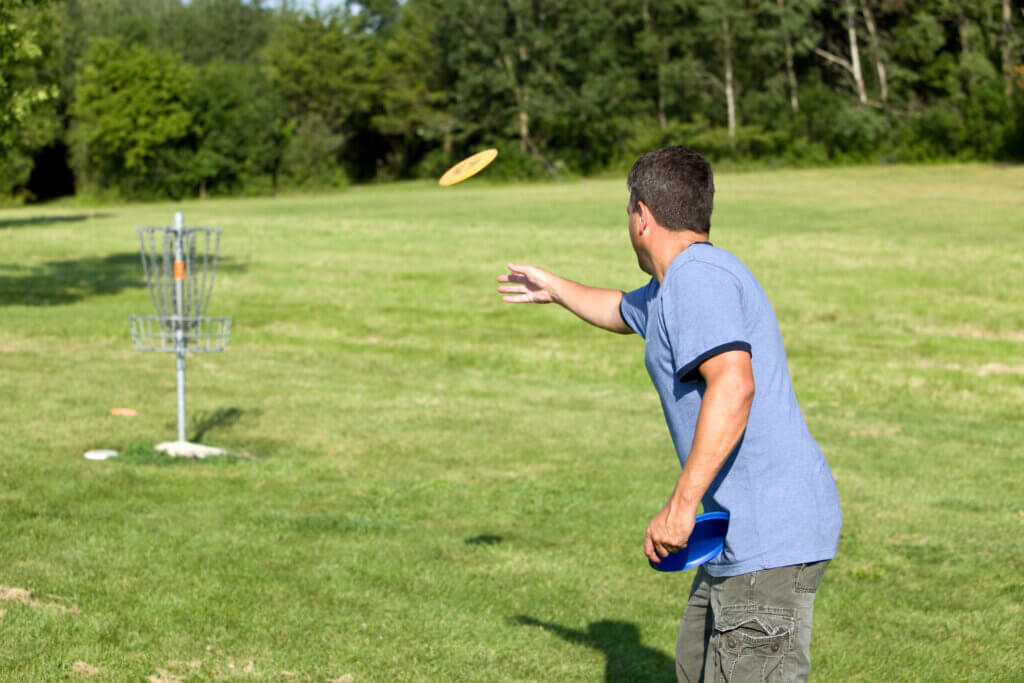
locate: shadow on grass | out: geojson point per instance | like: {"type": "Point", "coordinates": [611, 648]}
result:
{"type": "Point", "coordinates": [222, 418]}
{"type": "Point", "coordinates": [64, 282]}
{"type": "Point", "coordinates": [38, 221]}
{"type": "Point", "coordinates": [318, 523]}
{"type": "Point", "coordinates": [484, 539]}
{"type": "Point", "coordinates": [626, 658]}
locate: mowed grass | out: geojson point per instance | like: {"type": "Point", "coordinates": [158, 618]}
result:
{"type": "Point", "coordinates": [429, 484]}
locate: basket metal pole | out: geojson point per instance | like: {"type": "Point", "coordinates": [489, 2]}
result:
{"type": "Point", "coordinates": [179, 320]}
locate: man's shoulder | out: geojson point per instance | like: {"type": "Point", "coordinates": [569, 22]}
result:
{"type": "Point", "coordinates": [716, 256]}
{"type": "Point", "coordinates": [706, 265]}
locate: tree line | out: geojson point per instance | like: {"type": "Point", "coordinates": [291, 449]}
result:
{"type": "Point", "coordinates": [167, 98]}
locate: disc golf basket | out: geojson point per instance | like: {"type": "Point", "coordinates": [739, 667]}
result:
{"type": "Point", "coordinates": [180, 265]}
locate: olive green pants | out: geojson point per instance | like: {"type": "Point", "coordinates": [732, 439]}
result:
{"type": "Point", "coordinates": [752, 627]}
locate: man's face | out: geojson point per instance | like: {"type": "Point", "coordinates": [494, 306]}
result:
{"type": "Point", "coordinates": [643, 258]}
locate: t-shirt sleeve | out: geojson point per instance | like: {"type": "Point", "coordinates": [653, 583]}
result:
{"type": "Point", "coordinates": [703, 311]}
{"type": "Point", "coordinates": [633, 308]}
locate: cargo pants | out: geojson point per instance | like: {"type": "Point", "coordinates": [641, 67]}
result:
{"type": "Point", "coordinates": [752, 627]}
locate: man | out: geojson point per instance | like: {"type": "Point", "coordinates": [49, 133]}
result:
{"type": "Point", "coordinates": [714, 353]}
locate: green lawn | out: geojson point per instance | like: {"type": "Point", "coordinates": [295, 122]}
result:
{"type": "Point", "coordinates": [432, 485]}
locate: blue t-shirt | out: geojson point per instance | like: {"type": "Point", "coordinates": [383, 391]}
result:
{"type": "Point", "coordinates": [776, 486]}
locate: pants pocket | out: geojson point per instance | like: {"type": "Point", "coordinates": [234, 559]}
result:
{"type": "Point", "coordinates": [809, 576]}
{"type": "Point", "coordinates": [752, 642]}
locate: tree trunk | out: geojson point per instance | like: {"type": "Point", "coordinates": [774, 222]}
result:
{"type": "Point", "coordinates": [518, 87]}
{"type": "Point", "coordinates": [524, 130]}
{"type": "Point", "coordinates": [730, 86]}
{"type": "Point", "coordinates": [794, 98]}
{"type": "Point", "coordinates": [963, 26]}
{"type": "Point", "coordinates": [858, 75]}
{"type": "Point", "coordinates": [520, 97]}
{"type": "Point", "coordinates": [661, 59]}
{"type": "Point", "coordinates": [1007, 51]}
{"type": "Point", "coordinates": [876, 51]}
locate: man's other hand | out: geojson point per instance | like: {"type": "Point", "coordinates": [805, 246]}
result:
{"type": "Point", "coordinates": [532, 285]}
{"type": "Point", "coordinates": [669, 531]}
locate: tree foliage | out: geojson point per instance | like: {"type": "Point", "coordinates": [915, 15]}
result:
{"type": "Point", "coordinates": [20, 51]}
{"type": "Point", "coordinates": [132, 117]}
{"type": "Point", "coordinates": [174, 98]}
{"type": "Point", "coordinates": [27, 94]}
{"type": "Point", "coordinates": [240, 128]}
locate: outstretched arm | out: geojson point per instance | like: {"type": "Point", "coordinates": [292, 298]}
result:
{"type": "Point", "coordinates": [532, 285]}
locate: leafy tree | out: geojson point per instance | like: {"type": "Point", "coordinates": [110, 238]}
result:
{"type": "Point", "coordinates": [842, 49]}
{"type": "Point", "coordinates": [414, 107]}
{"type": "Point", "coordinates": [204, 31]}
{"type": "Point", "coordinates": [28, 90]}
{"type": "Point", "coordinates": [240, 127]}
{"type": "Point", "coordinates": [322, 66]}
{"type": "Point", "coordinates": [319, 65]}
{"type": "Point", "coordinates": [655, 53]}
{"type": "Point", "coordinates": [21, 91]}
{"type": "Point", "coordinates": [785, 36]}
{"type": "Point", "coordinates": [311, 157]}
{"type": "Point", "coordinates": [542, 74]}
{"type": "Point", "coordinates": [131, 118]}
{"type": "Point", "coordinates": [165, 97]}
{"type": "Point", "coordinates": [726, 25]}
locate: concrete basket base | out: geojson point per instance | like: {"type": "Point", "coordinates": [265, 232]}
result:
{"type": "Point", "coordinates": [185, 449]}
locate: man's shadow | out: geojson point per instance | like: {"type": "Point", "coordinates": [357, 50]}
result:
{"type": "Point", "coordinates": [626, 658]}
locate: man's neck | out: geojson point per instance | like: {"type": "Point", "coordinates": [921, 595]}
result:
{"type": "Point", "coordinates": [672, 244]}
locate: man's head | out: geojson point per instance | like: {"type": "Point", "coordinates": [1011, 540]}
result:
{"type": "Point", "coordinates": [677, 185]}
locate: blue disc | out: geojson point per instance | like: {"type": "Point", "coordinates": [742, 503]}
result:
{"type": "Point", "coordinates": [705, 543]}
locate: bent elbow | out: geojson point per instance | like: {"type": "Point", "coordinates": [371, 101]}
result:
{"type": "Point", "coordinates": [746, 391]}
{"type": "Point", "coordinates": [741, 388]}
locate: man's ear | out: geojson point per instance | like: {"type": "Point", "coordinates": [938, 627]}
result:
{"type": "Point", "coordinates": [646, 217]}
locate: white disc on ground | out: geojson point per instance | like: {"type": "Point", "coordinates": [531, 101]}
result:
{"type": "Point", "coordinates": [101, 454]}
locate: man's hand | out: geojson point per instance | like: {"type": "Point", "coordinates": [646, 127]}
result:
{"type": "Point", "coordinates": [669, 531]}
{"type": "Point", "coordinates": [532, 285]}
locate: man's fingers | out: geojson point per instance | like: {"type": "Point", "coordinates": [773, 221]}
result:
{"type": "Point", "coordinates": [649, 550]}
{"type": "Point", "coordinates": [664, 548]}
{"type": "Point", "coordinates": [517, 271]}
{"type": "Point", "coordinates": [519, 279]}
{"type": "Point", "coordinates": [519, 292]}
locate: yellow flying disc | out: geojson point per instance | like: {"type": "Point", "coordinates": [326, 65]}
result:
{"type": "Point", "coordinates": [125, 412]}
{"type": "Point", "coordinates": [468, 167]}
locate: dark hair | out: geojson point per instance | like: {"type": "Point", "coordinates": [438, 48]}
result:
{"type": "Point", "coordinates": [677, 185]}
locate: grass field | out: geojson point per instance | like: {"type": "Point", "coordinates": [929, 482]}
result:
{"type": "Point", "coordinates": [431, 485]}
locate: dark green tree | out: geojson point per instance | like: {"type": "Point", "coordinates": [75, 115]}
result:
{"type": "Point", "coordinates": [322, 67]}
{"type": "Point", "coordinates": [414, 87]}
{"type": "Point", "coordinates": [28, 88]}
{"type": "Point", "coordinates": [727, 26]}
{"type": "Point", "coordinates": [131, 123]}
{"type": "Point", "coordinates": [230, 31]}
{"type": "Point", "coordinates": [240, 128]}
